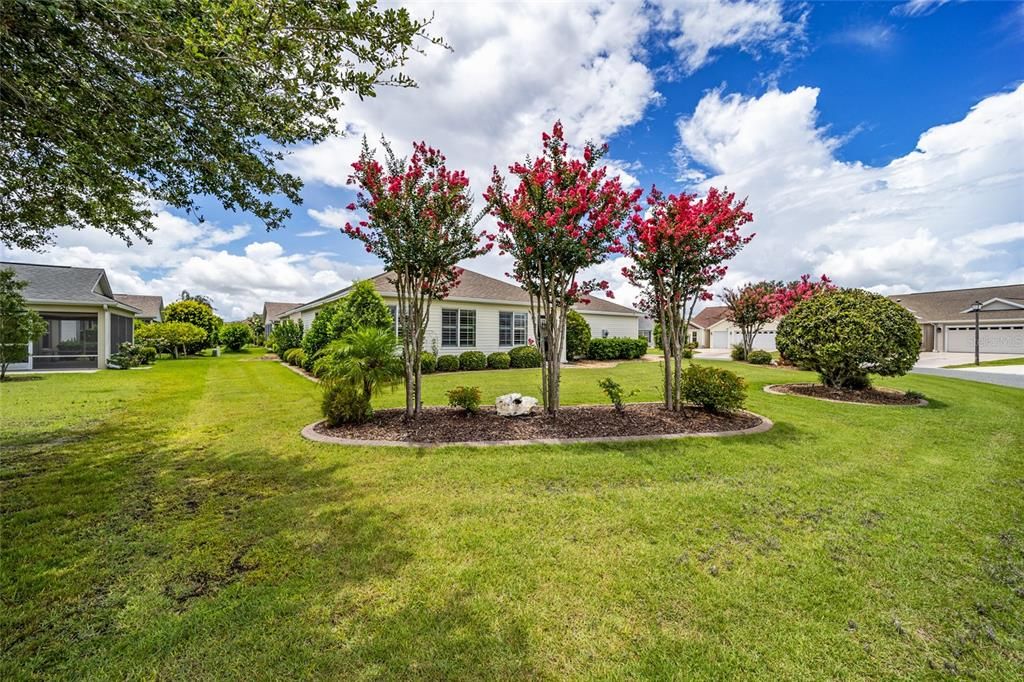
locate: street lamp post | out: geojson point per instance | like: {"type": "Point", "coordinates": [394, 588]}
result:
{"type": "Point", "coordinates": [976, 309]}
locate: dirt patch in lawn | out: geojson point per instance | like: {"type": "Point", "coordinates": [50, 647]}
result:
{"type": "Point", "coordinates": [440, 425]}
{"type": "Point", "coordinates": [869, 396]}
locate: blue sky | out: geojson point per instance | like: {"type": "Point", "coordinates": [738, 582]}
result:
{"type": "Point", "coordinates": [879, 143]}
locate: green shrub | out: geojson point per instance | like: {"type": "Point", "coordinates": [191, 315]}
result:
{"type": "Point", "coordinates": [448, 363]}
{"type": "Point", "coordinates": [126, 357]}
{"type": "Point", "coordinates": [616, 348]}
{"type": "Point", "coordinates": [522, 357]}
{"type": "Point", "coordinates": [235, 335]}
{"type": "Point", "coordinates": [857, 382]}
{"type": "Point", "coordinates": [466, 397]}
{"type": "Point", "coordinates": [321, 329]}
{"type": "Point", "coordinates": [615, 393]}
{"type": "Point", "coordinates": [287, 334]}
{"type": "Point", "coordinates": [917, 395]}
{"type": "Point", "coordinates": [738, 353]}
{"type": "Point", "coordinates": [714, 389]}
{"type": "Point", "coordinates": [147, 354]}
{"type": "Point", "coordinates": [498, 361]}
{"type": "Point", "coordinates": [170, 337]}
{"type": "Point", "coordinates": [472, 360]}
{"type": "Point", "coordinates": [428, 362]}
{"type": "Point", "coordinates": [846, 334]}
{"type": "Point", "coordinates": [362, 307]}
{"type": "Point", "coordinates": [759, 357]}
{"type": "Point", "coordinates": [577, 336]}
{"type": "Point", "coordinates": [343, 404]}
{"type": "Point", "coordinates": [687, 353]}
{"type": "Point", "coordinates": [198, 314]}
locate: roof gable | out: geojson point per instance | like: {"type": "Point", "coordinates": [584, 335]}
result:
{"type": "Point", "coordinates": [954, 305]}
{"type": "Point", "coordinates": [63, 284]}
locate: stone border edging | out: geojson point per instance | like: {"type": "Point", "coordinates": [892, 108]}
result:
{"type": "Point", "coordinates": [309, 432]}
{"type": "Point", "coordinates": [921, 402]}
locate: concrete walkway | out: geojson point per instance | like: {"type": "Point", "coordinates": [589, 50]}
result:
{"type": "Point", "coordinates": [1009, 375]}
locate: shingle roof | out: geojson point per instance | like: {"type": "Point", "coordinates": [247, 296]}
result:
{"type": "Point", "coordinates": [151, 307]}
{"type": "Point", "coordinates": [710, 315]}
{"type": "Point", "coordinates": [948, 306]}
{"type": "Point", "coordinates": [64, 284]}
{"type": "Point", "coordinates": [473, 285]}
{"type": "Point", "coordinates": [273, 310]}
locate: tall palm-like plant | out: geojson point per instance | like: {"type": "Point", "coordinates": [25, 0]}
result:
{"type": "Point", "coordinates": [356, 368]}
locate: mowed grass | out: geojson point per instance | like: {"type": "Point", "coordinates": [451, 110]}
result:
{"type": "Point", "coordinates": [990, 363]}
{"type": "Point", "coordinates": [172, 523]}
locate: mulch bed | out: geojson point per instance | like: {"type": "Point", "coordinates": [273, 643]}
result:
{"type": "Point", "coordinates": [447, 425]}
{"type": "Point", "coordinates": [871, 396]}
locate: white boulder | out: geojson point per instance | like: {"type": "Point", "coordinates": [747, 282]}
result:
{"type": "Point", "coordinates": [514, 404]}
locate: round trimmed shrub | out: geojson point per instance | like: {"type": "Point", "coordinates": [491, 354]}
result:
{"type": "Point", "coordinates": [522, 357]}
{"type": "Point", "coordinates": [577, 336]}
{"type": "Point", "coordinates": [147, 354]}
{"type": "Point", "coordinates": [759, 357]}
{"type": "Point", "coordinates": [343, 404]}
{"type": "Point", "coordinates": [498, 361]}
{"type": "Point", "coordinates": [428, 362]}
{"type": "Point", "coordinates": [737, 353]}
{"type": "Point", "coordinates": [236, 335]}
{"type": "Point", "coordinates": [846, 334]}
{"type": "Point", "coordinates": [448, 363]}
{"type": "Point", "coordinates": [472, 360]}
{"type": "Point", "coordinates": [714, 389]}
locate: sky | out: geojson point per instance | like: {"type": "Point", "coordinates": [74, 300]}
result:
{"type": "Point", "coordinates": [880, 144]}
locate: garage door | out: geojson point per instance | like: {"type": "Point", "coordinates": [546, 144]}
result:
{"type": "Point", "coordinates": [993, 339]}
{"type": "Point", "coordinates": [764, 341]}
{"type": "Point", "coordinates": [719, 339]}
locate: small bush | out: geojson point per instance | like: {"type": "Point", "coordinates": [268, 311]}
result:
{"type": "Point", "coordinates": [615, 393]}
{"type": "Point", "coordinates": [917, 395]}
{"type": "Point", "coordinates": [448, 363]}
{"type": "Point", "coordinates": [472, 360]}
{"type": "Point", "coordinates": [296, 357]}
{"type": "Point", "coordinates": [714, 389]}
{"type": "Point", "coordinates": [737, 353]}
{"type": "Point", "coordinates": [235, 335]}
{"type": "Point", "coordinates": [428, 362]}
{"type": "Point", "coordinates": [577, 336]}
{"type": "Point", "coordinates": [286, 334]}
{"type": "Point", "coordinates": [616, 348]}
{"type": "Point", "coordinates": [466, 397]}
{"type": "Point", "coordinates": [498, 361]}
{"type": "Point", "coordinates": [856, 382]}
{"type": "Point", "coordinates": [759, 357]}
{"type": "Point", "coordinates": [687, 353]}
{"type": "Point", "coordinates": [522, 357]}
{"type": "Point", "coordinates": [343, 404]}
{"type": "Point", "coordinates": [147, 354]}
{"type": "Point", "coordinates": [125, 358]}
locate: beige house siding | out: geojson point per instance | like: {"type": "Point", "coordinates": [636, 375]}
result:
{"type": "Point", "coordinates": [627, 326]}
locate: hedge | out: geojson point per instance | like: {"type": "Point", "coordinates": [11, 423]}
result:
{"type": "Point", "coordinates": [617, 348]}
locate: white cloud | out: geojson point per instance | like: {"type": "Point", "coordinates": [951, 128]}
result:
{"type": "Point", "coordinates": [311, 233]}
{"type": "Point", "coordinates": [947, 214]}
{"type": "Point", "coordinates": [700, 28]}
{"type": "Point", "coordinates": [331, 217]}
{"type": "Point", "coordinates": [917, 8]}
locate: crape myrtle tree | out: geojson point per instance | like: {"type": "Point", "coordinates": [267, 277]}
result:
{"type": "Point", "coordinates": [750, 308]}
{"type": "Point", "coordinates": [420, 223]}
{"type": "Point", "coordinates": [679, 250]}
{"type": "Point", "coordinates": [564, 216]}
{"type": "Point", "coordinates": [787, 296]}
{"type": "Point", "coordinates": [110, 106]}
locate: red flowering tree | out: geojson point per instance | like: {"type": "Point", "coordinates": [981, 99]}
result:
{"type": "Point", "coordinates": [750, 308]}
{"type": "Point", "coordinates": [564, 215]}
{"type": "Point", "coordinates": [679, 251]}
{"type": "Point", "coordinates": [786, 296]}
{"type": "Point", "coordinates": [420, 223]}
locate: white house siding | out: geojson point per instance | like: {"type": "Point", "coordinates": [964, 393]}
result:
{"type": "Point", "coordinates": [625, 326]}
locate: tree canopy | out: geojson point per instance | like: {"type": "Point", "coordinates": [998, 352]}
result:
{"type": "Point", "coordinates": [110, 106]}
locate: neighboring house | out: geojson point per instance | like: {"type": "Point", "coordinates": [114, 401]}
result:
{"type": "Point", "coordinates": [272, 312]}
{"type": "Point", "coordinates": [85, 323]}
{"type": "Point", "coordinates": [947, 323]}
{"type": "Point", "coordinates": [485, 314]}
{"type": "Point", "coordinates": [715, 330]}
{"type": "Point", "coordinates": [152, 307]}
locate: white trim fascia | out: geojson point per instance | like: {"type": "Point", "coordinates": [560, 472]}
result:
{"type": "Point", "coordinates": [98, 304]}
{"type": "Point", "coordinates": [1012, 304]}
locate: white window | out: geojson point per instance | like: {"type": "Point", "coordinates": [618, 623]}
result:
{"type": "Point", "coordinates": [458, 327]}
{"type": "Point", "coordinates": [511, 329]}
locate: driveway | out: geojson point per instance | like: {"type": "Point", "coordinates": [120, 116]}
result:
{"type": "Point", "coordinates": [947, 359]}
{"type": "Point", "coordinates": [713, 353]}
{"type": "Point", "coordinates": [1006, 375]}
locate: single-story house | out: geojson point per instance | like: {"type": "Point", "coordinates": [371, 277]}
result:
{"type": "Point", "coordinates": [485, 314]}
{"type": "Point", "coordinates": [714, 329]}
{"type": "Point", "coordinates": [272, 314]}
{"type": "Point", "coordinates": [947, 321]}
{"type": "Point", "coordinates": [152, 307]}
{"type": "Point", "coordinates": [85, 323]}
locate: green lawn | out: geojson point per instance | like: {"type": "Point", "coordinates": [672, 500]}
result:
{"type": "Point", "coordinates": [990, 363]}
{"type": "Point", "coordinates": [172, 524]}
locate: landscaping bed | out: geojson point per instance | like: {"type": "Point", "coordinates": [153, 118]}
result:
{"type": "Point", "coordinates": [447, 425]}
{"type": "Point", "coordinates": [869, 396]}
